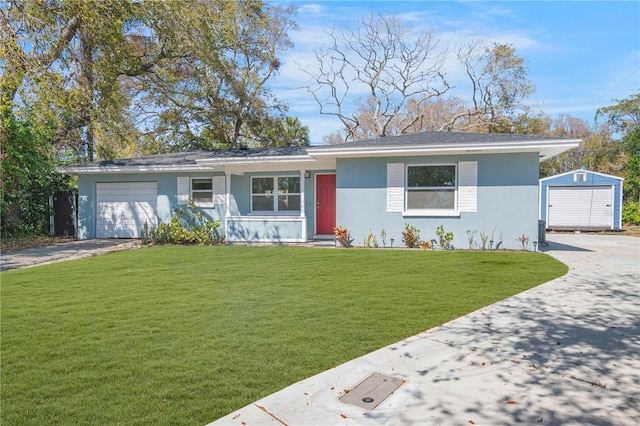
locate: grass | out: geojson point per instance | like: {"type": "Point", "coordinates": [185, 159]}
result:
{"type": "Point", "coordinates": [185, 335]}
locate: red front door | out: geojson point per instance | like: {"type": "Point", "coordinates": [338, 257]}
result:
{"type": "Point", "coordinates": [325, 204]}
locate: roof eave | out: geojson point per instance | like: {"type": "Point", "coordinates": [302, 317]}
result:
{"type": "Point", "coordinates": [96, 169]}
{"type": "Point", "coordinates": [232, 161]}
{"type": "Point", "coordinates": [547, 149]}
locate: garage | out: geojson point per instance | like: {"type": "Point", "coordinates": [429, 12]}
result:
{"type": "Point", "coordinates": [122, 208]}
{"type": "Point", "coordinates": [581, 200]}
{"type": "Point", "coordinates": [583, 207]}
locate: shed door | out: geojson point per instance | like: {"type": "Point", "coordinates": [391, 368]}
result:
{"type": "Point", "coordinates": [124, 207]}
{"type": "Point", "coordinates": [580, 206]}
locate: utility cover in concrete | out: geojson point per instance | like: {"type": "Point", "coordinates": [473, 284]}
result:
{"type": "Point", "coordinates": [369, 393]}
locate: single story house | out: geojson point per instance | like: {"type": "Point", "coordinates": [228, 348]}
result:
{"type": "Point", "coordinates": [463, 181]}
{"type": "Point", "coordinates": [581, 200]}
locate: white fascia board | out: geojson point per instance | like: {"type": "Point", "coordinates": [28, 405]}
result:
{"type": "Point", "coordinates": [269, 164]}
{"type": "Point", "coordinates": [92, 170]}
{"type": "Point", "coordinates": [582, 171]}
{"type": "Point", "coordinates": [548, 148]}
{"type": "Point", "coordinates": [323, 164]}
{"type": "Point", "coordinates": [255, 160]}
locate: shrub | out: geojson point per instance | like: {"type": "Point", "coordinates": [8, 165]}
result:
{"type": "Point", "coordinates": [426, 245]}
{"type": "Point", "coordinates": [188, 226]}
{"type": "Point", "coordinates": [631, 213]}
{"type": "Point", "coordinates": [444, 237]}
{"type": "Point", "coordinates": [343, 236]}
{"type": "Point", "coordinates": [410, 236]}
{"type": "Point", "coordinates": [370, 240]}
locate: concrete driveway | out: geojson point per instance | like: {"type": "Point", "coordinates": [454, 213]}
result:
{"type": "Point", "coordinates": [564, 353]}
{"type": "Point", "coordinates": [65, 251]}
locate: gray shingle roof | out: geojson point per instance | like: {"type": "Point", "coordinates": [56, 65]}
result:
{"type": "Point", "coordinates": [189, 158]}
{"type": "Point", "coordinates": [414, 139]}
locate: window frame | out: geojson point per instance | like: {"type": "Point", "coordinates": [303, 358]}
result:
{"type": "Point", "coordinates": [275, 195]}
{"type": "Point", "coordinates": [201, 191]}
{"type": "Point", "coordinates": [431, 211]}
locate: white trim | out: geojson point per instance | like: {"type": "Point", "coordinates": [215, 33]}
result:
{"type": "Point", "coordinates": [271, 218]}
{"type": "Point", "coordinates": [95, 169]}
{"type": "Point", "coordinates": [275, 195]}
{"type": "Point", "coordinates": [209, 191]}
{"type": "Point", "coordinates": [272, 242]}
{"type": "Point", "coordinates": [431, 212]}
{"type": "Point", "coordinates": [547, 148]}
{"type": "Point", "coordinates": [621, 206]}
{"type": "Point", "coordinates": [227, 195]}
{"type": "Point", "coordinates": [302, 205]}
{"type": "Point", "coordinates": [581, 170]}
{"type": "Point", "coordinates": [255, 160]}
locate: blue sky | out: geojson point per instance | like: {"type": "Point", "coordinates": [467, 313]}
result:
{"type": "Point", "coordinates": [580, 54]}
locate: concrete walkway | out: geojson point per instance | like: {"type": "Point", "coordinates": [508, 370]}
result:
{"type": "Point", "coordinates": [65, 251]}
{"type": "Point", "coordinates": [564, 353]}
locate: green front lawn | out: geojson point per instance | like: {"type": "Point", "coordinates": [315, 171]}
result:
{"type": "Point", "coordinates": [185, 335]}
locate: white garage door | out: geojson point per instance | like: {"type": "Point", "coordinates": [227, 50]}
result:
{"type": "Point", "coordinates": [124, 207]}
{"type": "Point", "coordinates": [580, 207]}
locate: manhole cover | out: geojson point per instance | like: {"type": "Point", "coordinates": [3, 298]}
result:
{"type": "Point", "coordinates": [370, 392]}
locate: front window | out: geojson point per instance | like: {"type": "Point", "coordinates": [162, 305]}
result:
{"type": "Point", "coordinates": [202, 191]}
{"type": "Point", "coordinates": [275, 194]}
{"type": "Point", "coordinates": [431, 187]}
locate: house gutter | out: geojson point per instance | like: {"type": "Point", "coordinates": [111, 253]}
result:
{"type": "Point", "coordinates": [553, 147]}
{"type": "Point", "coordinates": [93, 169]}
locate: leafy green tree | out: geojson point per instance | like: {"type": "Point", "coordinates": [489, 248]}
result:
{"type": "Point", "coordinates": [110, 75]}
{"type": "Point", "coordinates": [282, 132]}
{"type": "Point", "coordinates": [216, 93]}
{"type": "Point", "coordinates": [624, 117]}
{"type": "Point", "coordinates": [631, 148]}
{"type": "Point", "coordinates": [498, 77]}
{"type": "Point", "coordinates": [27, 179]}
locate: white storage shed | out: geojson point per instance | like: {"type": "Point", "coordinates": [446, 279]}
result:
{"type": "Point", "coordinates": [581, 200]}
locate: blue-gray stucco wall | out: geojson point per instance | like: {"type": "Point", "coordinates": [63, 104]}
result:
{"type": "Point", "coordinates": [167, 202]}
{"type": "Point", "coordinates": [507, 203]}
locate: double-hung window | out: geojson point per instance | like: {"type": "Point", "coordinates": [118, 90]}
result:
{"type": "Point", "coordinates": [202, 192]}
{"type": "Point", "coordinates": [431, 187]}
{"type": "Point", "coordinates": [275, 194]}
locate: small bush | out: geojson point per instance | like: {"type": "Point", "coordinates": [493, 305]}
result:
{"type": "Point", "coordinates": [426, 245]}
{"type": "Point", "coordinates": [343, 236]}
{"type": "Point", "coordinates": [631, 213]}
{"type": "Point", "coordinates": [188, 226]}
{"type": "Point", "coordinates": [444, 237]}
{"type": "Point", "coordinates": [410, 236]}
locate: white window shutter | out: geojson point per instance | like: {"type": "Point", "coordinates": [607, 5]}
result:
{"type": "Point", "coordinates": [395, 187]}
{"type": "Point", "coordinates": [219, 189]}
{"type": "Point", "coordinates": [183, 190]}
{"type": "Point", "coordinates": [468, 186]}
